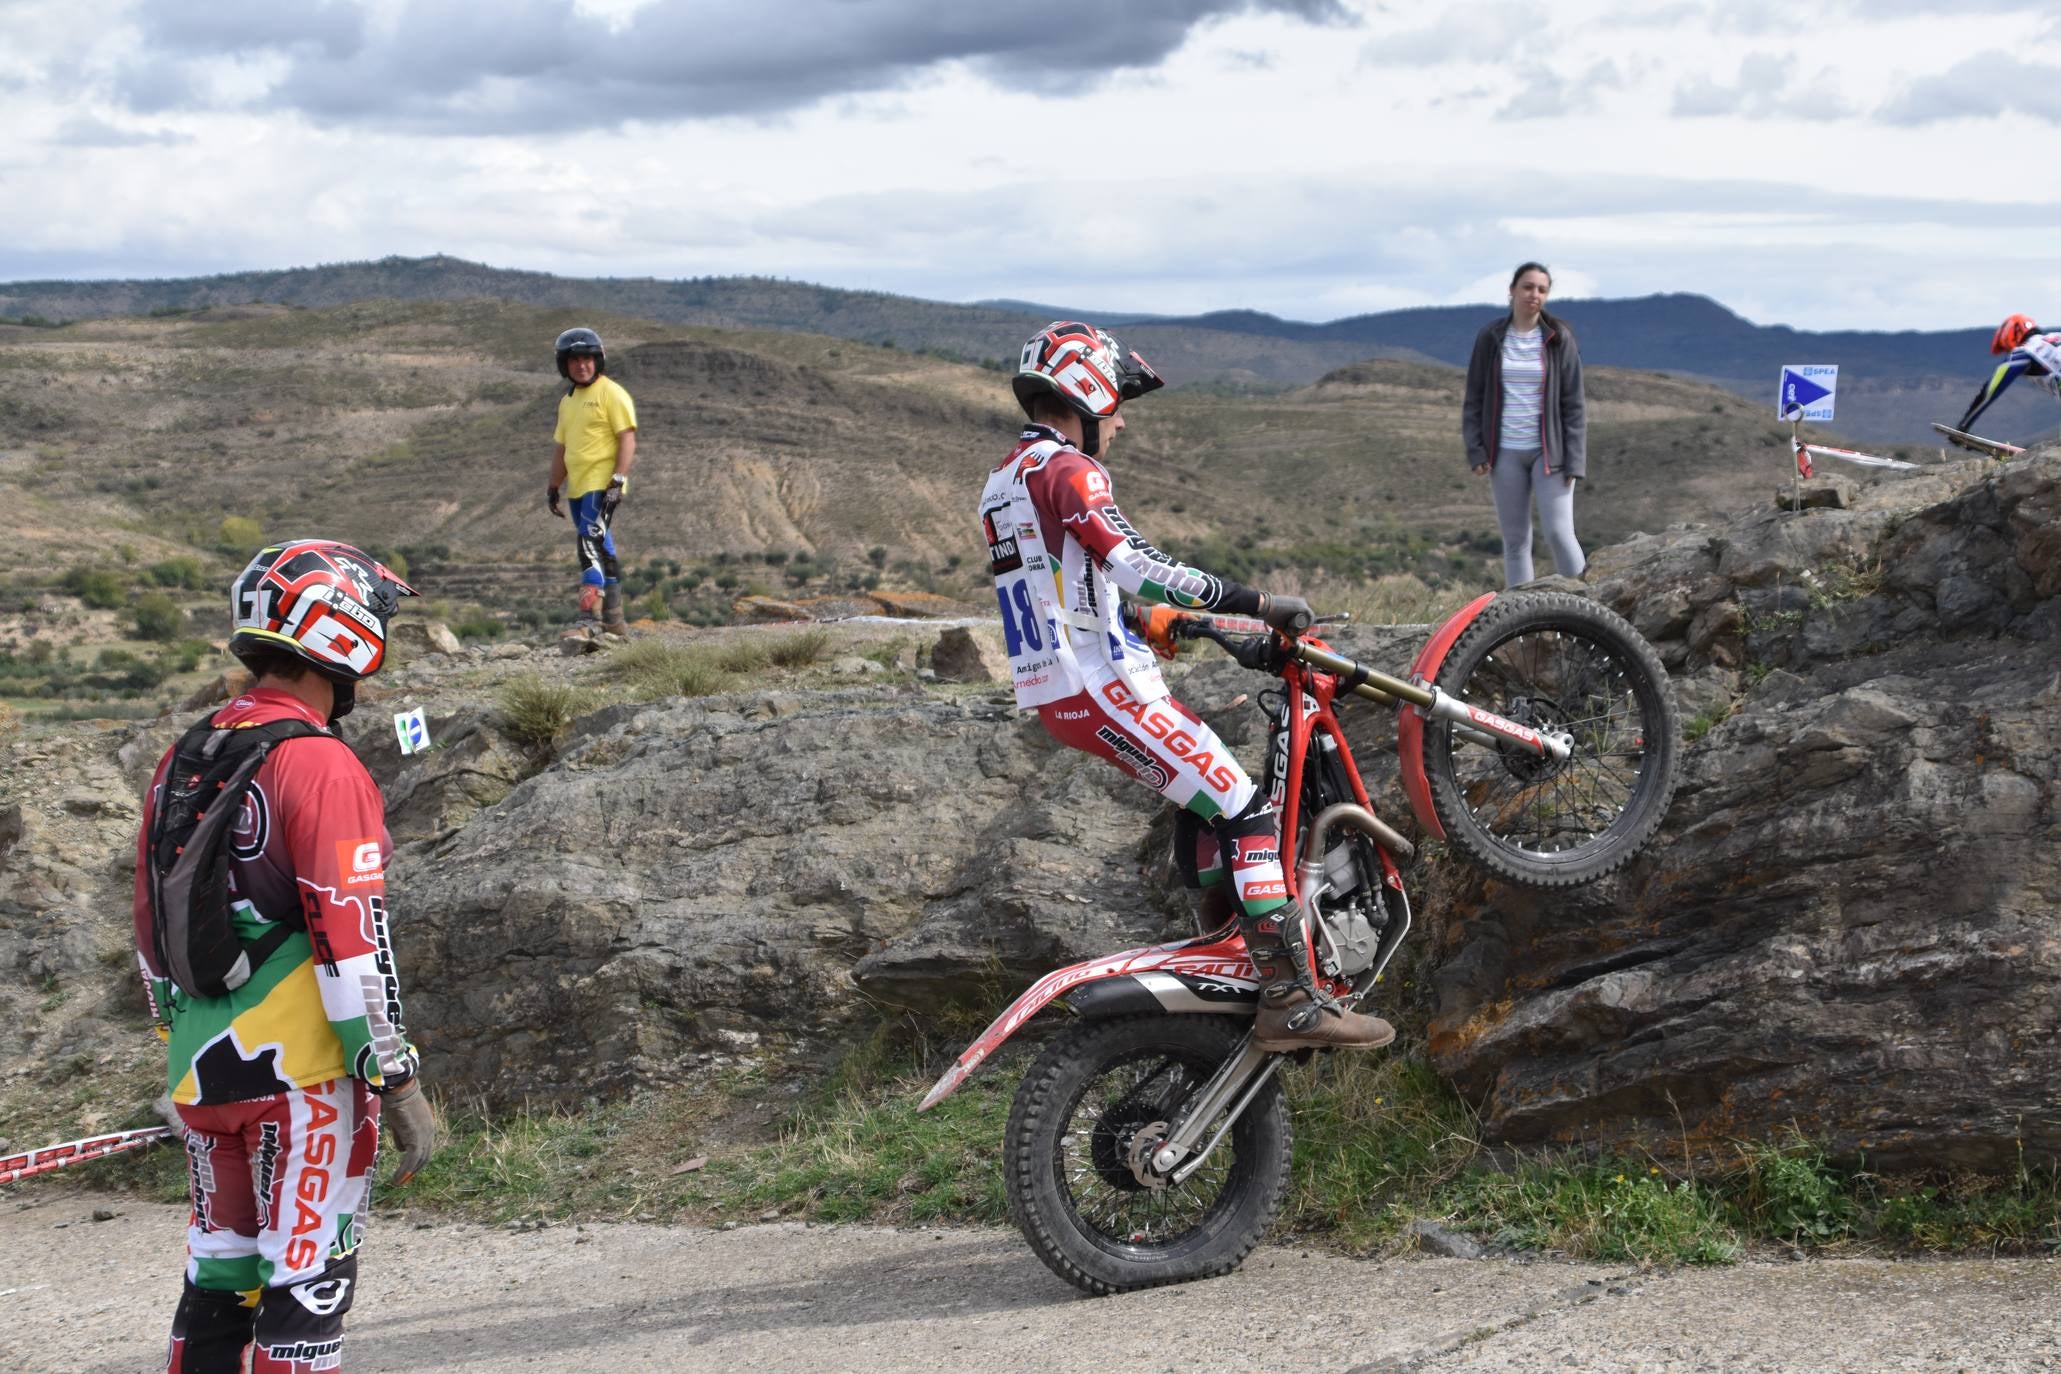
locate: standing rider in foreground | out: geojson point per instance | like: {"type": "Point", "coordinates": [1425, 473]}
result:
{"type": "Point", "coordinates": [281, 1080]}
{"type": "Point", "coordinates": [1060, 551]}
{"type": "Point", "coordinates": [2032, 353]}
{"type": "Point", "coordinates": [595, 445]}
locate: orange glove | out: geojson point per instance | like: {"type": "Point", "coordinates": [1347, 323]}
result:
{"type": "Point", "coordinates": [1156, 627]}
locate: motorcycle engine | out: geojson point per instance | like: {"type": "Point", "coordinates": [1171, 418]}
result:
{"type": "Point", "coordinates": [1353, 916]}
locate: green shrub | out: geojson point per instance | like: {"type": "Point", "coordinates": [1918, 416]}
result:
{"type": "Point", "coordinates": [98, 587]}
{"type": "Point", "coordinates": [184, 572]}
{"type": "Point", "coordinates": [476, 624]}
{"type": "Point", "coordinates": [157, 617]}
{"type": "Point", "coordinates": [654, 604]}
{"type": "Point", "coordinates": [240, 533]}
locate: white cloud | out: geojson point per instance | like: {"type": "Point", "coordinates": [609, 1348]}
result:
{"type": "Point", "coordinates": [965, 162]}
{"type": "Point", "coordinates": [532, 66]}
{"type": "Point", "coordinates": [85, 131]}
{"type": "Point", "coordinates": [1767, 88]}
{"type": "Point", "coordinates": [1988, 86]}
{"type": "Point", "coordinates": [1495, 32]}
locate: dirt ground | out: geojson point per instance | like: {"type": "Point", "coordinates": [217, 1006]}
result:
{"type": "Point", "coordinates": [79, 1296]}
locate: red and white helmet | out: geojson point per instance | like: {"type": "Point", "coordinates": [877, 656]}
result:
{"type": "Point", "coordinates": [2015, 330]}
{"type": "Point", "coordinates": [1085, 368]}
{"type": "Point", "coordinates": [320, 601]}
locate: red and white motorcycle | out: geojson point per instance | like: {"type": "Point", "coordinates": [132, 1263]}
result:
{"type": "Point", "coordinates": [1149, 1142]}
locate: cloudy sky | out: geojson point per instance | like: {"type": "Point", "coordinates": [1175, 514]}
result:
{"type": "Point", "coordinates": [1874, 164]}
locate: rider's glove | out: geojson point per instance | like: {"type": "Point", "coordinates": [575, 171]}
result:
{"type": "Point", "coordinates": [553, 502]}
{"type": "Point", "coordinates": [618, 488]}
{"type": "Point", "coordinates": [1155, 625]}
{"type": "Point", "coordinates": [1288, 615]}
{"type": "Point", "coordinates": [407, 1115]}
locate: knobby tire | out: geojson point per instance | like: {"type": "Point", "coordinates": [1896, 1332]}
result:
{"type": "Point", "coordinates": [1551, 660]}
{"type": "Point", "coordinates": [1053, 1135]}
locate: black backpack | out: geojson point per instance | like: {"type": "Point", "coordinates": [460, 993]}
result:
{"type": "Point", "coordinates": [211, 770]}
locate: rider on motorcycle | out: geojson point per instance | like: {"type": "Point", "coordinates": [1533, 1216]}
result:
{"type": "Point", "coordinates": [1060, 552]}
{"type": "Point", "coordinates": [2031, 353]}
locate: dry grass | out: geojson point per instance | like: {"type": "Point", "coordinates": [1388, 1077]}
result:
{"type": "Point", "coordinates": [537, 712]}
{"type": "Point", "coordinates": [654, 669]}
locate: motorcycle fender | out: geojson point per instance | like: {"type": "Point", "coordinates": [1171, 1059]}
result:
{"type": "Point", "coordinates": [1202, 975]}
{"type": "Point", "coordinates": [1409, 726]}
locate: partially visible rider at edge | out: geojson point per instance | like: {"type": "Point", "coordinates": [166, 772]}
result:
{"type": "Point", "coordinates": [2032, 353]}
{"type": "Point", "coordinates": [1060, 551]}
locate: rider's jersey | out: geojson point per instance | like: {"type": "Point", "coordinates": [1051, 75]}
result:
{"type": "Point", "coordinates": [1060, 550]}
{"type": "Point", "coordinates": [311, 847]}
{"type": "Point", "coordinates": [2043, 352]}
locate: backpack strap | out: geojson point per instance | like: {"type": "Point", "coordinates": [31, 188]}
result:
{"type": "Point", "coordinates": [262, 739]}
{"type": "Point", "coordinates": [212, 767]}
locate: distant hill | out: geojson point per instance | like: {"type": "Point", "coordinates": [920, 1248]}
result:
{"type": "Point", "coordinates": [1892, 384]}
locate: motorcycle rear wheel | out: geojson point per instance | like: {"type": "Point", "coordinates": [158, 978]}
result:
{"type": "Point", "coordinates": [1065, 1151]}
{"type": "Point", "coordinates": [1555, 662]}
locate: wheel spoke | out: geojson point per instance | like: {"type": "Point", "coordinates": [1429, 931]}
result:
{"type": "Point", "coordinates": [1131, 1094]}
{"type": "Point", "coordinates": [1563, 683]}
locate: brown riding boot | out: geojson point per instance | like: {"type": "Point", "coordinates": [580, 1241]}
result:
{"type": "Point", "coordinates": [612, 610]}
{"type": "Point", "coordinates": [1331, 1027]}
{"type": "Point", "coordinates": [1279, 946]}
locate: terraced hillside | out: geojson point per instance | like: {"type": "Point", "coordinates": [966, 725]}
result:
{"type": "Point", "coordinates": [145, 457]}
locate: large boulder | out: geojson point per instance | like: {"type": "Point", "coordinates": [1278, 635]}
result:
{"type": "Point", "coordinates": [688, 874]}
{"type": "Point", "coordinates": [970, 653]}
{"type": "Point", "coordinates": [1847, 927]}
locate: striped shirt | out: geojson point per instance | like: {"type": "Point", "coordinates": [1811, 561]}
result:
{"type": "Point", "coordinates": [1524, 383]}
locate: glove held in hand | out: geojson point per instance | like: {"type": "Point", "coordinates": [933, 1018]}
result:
{"type": "Point", "coordinates": [415, 1129]}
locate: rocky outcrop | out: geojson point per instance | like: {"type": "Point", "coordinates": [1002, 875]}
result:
{"type": "Point", "coordinates": [704, 875]}
{"type": "Point", "coordinates": [1848, 927]}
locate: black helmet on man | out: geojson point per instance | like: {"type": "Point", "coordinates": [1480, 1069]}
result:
{"type": "Point", "coordinates": [581, 341]}
{"type": "Point", "coordinates": [1086, 370]}
{"type": "Point", "coordinates": [324, 603]}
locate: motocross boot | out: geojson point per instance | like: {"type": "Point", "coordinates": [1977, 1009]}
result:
{"type": "Point", "coordinates": [1290, 1017]}
{"type": "Point", "coordinates": [590, 602]}
{"type": "Point", "coordinates": [612, 610]}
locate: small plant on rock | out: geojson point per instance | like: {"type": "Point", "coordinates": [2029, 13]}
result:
{"type": "Point", "coordinates": [537, 712]}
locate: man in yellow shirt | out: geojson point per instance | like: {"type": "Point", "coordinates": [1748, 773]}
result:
{"type": "Point", "coordinates": [594, 445]}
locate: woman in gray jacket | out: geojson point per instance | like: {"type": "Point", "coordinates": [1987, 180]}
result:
{"type": "Point", "coordinates": [1526, 426]}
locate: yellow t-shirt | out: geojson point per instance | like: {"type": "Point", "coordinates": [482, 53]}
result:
{"type": "Point", "coordinates": [588, 422]}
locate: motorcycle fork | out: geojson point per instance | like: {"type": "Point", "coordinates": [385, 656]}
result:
{"type": "Point", "coordinates": [1236, 1082]}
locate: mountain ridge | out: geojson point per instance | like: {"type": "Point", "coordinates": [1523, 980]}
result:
{"type": "Point", "coordinates": [1896, 382]}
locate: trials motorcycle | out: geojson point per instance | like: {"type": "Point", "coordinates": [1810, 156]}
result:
{"type": "Point", "coordinates": [1149, 1142]}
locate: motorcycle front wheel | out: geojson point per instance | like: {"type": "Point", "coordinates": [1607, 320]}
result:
{"type": "Point", "coordinates": [1073, 1143]}
{"type": "Point", "coordinates": [1560, 664]}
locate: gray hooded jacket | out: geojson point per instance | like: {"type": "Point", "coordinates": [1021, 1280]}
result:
{"type": "Point", "coordinates": [1563, 414]}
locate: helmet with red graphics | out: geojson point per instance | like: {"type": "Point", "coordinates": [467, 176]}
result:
{"type": "Point", "coordinates": [1084, 369]}
{"type": "Point", "coordinates": [2015, 330]}
{"type": "Point", "coordinates": [324, 603]}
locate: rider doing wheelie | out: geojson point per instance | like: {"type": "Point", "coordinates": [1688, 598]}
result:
{"type": "Point", "coordinates": [1060, 551]}
{"type": "Point", "coordinates": [2031, 353]}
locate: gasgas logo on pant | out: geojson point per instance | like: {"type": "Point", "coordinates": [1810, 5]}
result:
{"type": "Point", "coordinates": [1219, 777]}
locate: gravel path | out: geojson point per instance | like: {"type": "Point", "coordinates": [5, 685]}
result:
{"type": "Point", "coordinates": [85, 1297]}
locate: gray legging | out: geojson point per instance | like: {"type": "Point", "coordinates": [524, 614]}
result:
{"type": "Point", "coordinates": [1517, 475]}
